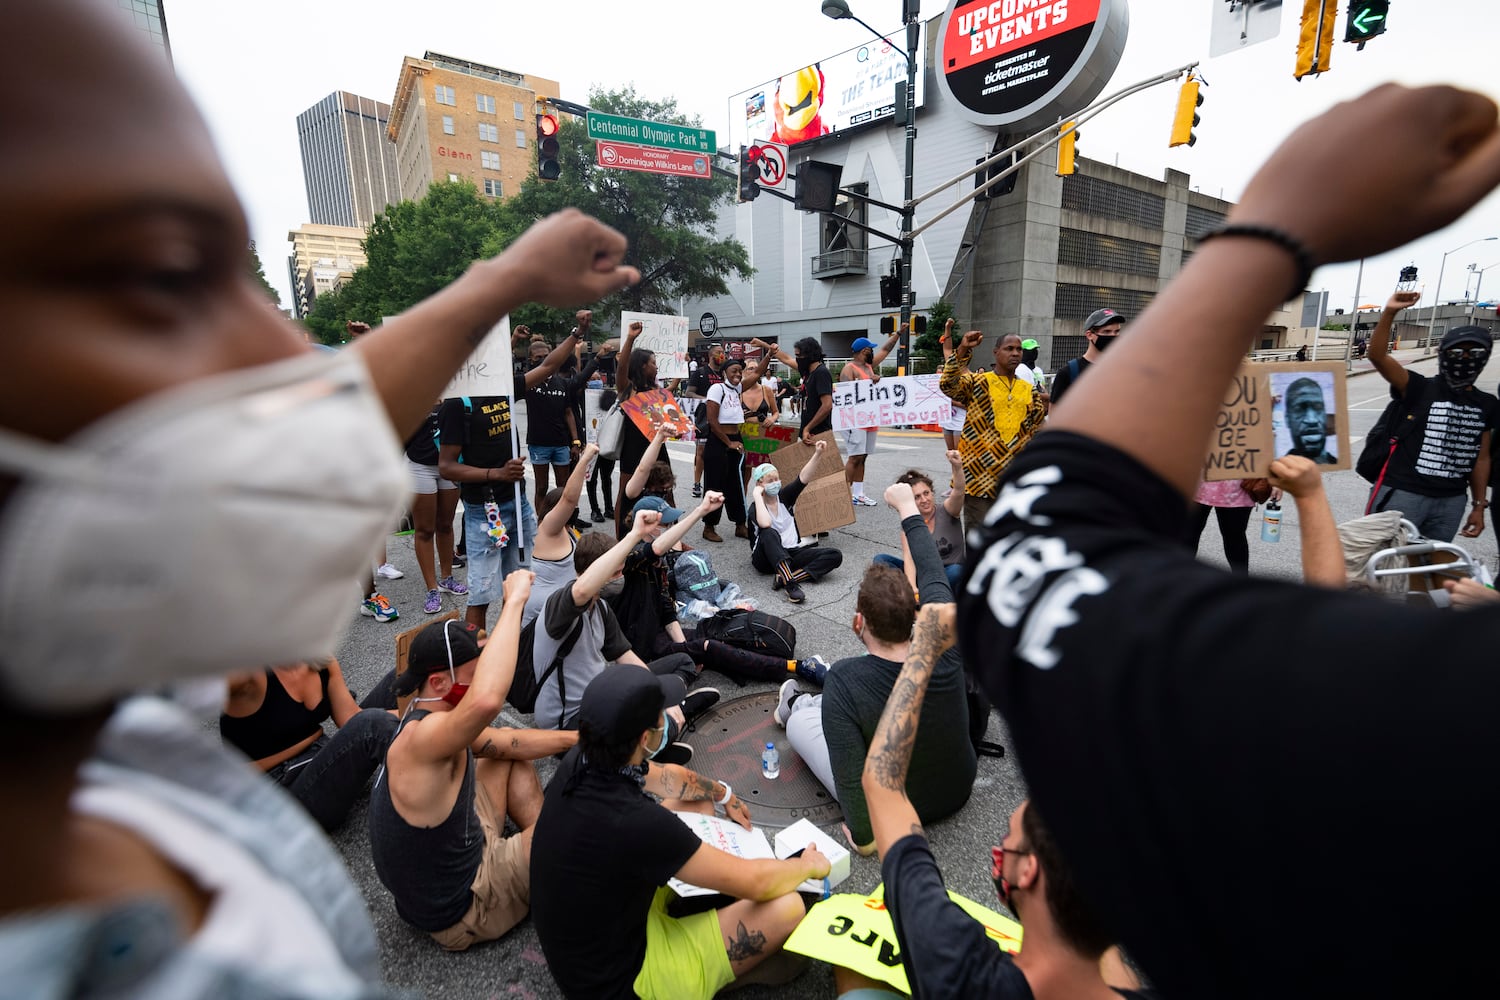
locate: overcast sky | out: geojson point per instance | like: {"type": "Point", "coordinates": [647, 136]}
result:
{"type": "Point", "coordinates": [254, 67]}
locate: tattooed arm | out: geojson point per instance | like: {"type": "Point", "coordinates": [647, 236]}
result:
{"type": "Point", "coordinates": [673, 781]}
{"type": "Point", "coordinates": [498, 743]}
{"type": "Point", "coordinates": [891, 813]}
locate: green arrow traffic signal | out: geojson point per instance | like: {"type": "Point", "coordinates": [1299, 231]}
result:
{"type": "Point", "coordinates": [1366, 20]}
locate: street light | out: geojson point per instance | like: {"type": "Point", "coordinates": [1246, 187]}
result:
{"type": "Point", "coordinates": [1437, 293]}
{"type": "Point", "coordinates": [910, 16]}
{"type": "Point", "coordinates": [1477, 286]}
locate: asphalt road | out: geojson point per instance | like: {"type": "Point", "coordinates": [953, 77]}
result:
{"type": "Point", "coordinates": [515, 967]}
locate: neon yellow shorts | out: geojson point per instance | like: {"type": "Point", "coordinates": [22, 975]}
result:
{"type": "Point", "coordinates": [684, 958]}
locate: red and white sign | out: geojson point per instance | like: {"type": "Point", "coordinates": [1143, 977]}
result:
{"type": "Point", "coordinates": [772, 161]}
{"type": "Point", "coordinates": [677, 162]}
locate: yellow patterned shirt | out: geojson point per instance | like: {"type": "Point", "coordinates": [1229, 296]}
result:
{"type": "Point", "coordinates": [1002, 417]}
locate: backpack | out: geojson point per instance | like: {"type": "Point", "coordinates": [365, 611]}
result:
{"type": "Point", "coordinates": [1380, 444]}
{"type": "Point", "coordinates": [693, 577]}
{"type": "Point", "coordinates": [525, 685]}
{"type": "Point", "coordinates": [752, 630]}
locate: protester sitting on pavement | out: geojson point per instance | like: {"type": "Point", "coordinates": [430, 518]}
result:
{"type": "Point", "coordinates": [581, 628]}
{"type": "Point", "coordinates": [152, 395]}
{"type": "Point", "coordinates": [945, 951]}
{"type": "Point", "coordinates": [648, 613]}
{"type": "Point", "coordinates": [832, 733]}
{"type": "Point", "coordinates": [434, 500]}
{"type": "Point", "coordinates": [1129, 674]}
{"type": "Point", "coordinates": [552, 551]}
{"type": "Point", "coordinates": [776, 544]}
{"type": "Point", "coordinates": [1102, 330]}
{"type": "Point", "coordinates": [941, 519]}
{"type": "Point", "coordinates": [275, 717]}
{"type": "Point", "coordinates": [859, 442]}
{"type": "Point", "coordinates": [1441, 446]}
{"type": "Point", "coordinates": [438, 809]}
{"type": "Point", "coordinates": [725, 454]}
{"type": "Point", "coordinates": [1003, 411]}
{"type": "Point", "coordinates": [604, 846]}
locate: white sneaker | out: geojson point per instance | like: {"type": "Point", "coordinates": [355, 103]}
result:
{"type": "Point", "coordinates": [389, 572]}
{"type": "Point", "coordinates": [865, 501]}
{"type": "Point", "coordinates": [789, 692]}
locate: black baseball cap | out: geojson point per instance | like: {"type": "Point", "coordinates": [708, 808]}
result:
{"type": "Point", "coordinates": [430, 648]}
{"type": "Point", "coordinates": [625, 701]}
{"type": "Point", "coordinates": [1102, 317]}
{"type": "Point", "coordinates": [1467, 335]}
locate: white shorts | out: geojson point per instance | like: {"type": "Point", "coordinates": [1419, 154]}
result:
{"type": "Point", "coordinates": [425, 479]}
{"type": "Point", "coordinates": [860, 442]}
{"type": "Point", "coordinates": [956, 422]}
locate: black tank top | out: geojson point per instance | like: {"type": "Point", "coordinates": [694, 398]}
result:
{"type": "Point", "coordinates": [281, 721]}
{"type": "Point", "coordinates": [428, 870]}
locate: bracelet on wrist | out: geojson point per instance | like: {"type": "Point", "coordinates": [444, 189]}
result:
{"type": "Point", "coordinates": [1290, 244]}
{"type": "Point", "coordinates": [728, 794]}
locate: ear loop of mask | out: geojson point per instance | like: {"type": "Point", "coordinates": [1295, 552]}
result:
{"type": "Point", "coordinates": [650, 754]}
{"type": "Point", "coordinates": [447, 642]}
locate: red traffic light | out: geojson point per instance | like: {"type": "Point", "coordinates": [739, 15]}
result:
{"type": "Point", "coordinates": [546, 125]}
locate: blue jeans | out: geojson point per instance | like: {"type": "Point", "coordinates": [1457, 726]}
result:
{"type": "Point", "coordinates": [954, 572]}
{"type": "Point", "coordinates": [489, 566]}
{"type": "Point", "coordinates": [550, 454]}
{"type": "Point", "coordinates": [1437, 518]}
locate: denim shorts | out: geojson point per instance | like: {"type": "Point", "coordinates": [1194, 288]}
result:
{"type": "Point", "coordinates": [489, 566]}
{"type": "Point", "coordinates": [550, 454]}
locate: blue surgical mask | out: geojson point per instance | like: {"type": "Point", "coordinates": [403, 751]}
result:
{"type": "Point", "coordinates": [663, 743]}
{"type": "Point", "coordinates": [773, 488]}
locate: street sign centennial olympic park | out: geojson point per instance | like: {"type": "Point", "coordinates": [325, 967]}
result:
{"type": "Point", "coordinates": [1025, 63]}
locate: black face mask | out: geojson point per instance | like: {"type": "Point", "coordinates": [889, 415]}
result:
{"type": "Point", "coordinates": [1462, 372]}
{"type": "Point", "coordinates": [1103, 343]}
{"type": "Point", "coordinates": [804, 365]}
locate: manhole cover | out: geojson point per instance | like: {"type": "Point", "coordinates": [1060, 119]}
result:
{"type": "Point", "coordinates": [727, 743]}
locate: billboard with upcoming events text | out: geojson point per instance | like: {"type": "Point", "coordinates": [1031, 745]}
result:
{"type": "Point", "coordinates": [845, 91]}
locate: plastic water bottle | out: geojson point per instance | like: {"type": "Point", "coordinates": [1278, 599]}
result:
{"type": "Point", "coordinates": [1270, 525]}
{"type": "Point", "coordinates": [770, 762]}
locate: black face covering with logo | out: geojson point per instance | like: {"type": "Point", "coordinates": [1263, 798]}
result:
{"type": "Point", "coordinates": [1469, 347]}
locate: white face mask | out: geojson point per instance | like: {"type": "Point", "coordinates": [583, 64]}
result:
{"type": "Point", "coordinates": [216, 526]}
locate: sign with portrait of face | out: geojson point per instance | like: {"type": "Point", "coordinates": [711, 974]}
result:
{"type": "Point", "coordinates": [1270, 410]}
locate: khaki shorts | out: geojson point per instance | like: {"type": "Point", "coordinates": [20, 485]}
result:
{"type": "Point", "coordinates": [502, 887]}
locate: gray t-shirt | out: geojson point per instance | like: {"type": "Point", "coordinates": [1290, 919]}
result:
{"type": "Point", "coordinates": [551, 576]}
{"type": "Point", "coordinates": [601, 643]}
{"type": "Point", "coordinates": [947, 535]}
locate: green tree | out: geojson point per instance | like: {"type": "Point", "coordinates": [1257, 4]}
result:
{"type": "Point", "coordinates": [259, 274]}
{"type": "Point", "coordinates": [669, 221]}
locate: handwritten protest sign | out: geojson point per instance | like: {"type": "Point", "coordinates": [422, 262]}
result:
{"type": "Point", "coordinates": [487, 371]}
{"type": "Point", "coordinates": [1253, 426]}
{"type": "Point", "coordinates": [891, 402]}
{"type": "Point", "coordinates": [727, 836]}
{"type": "Point", "coordinates": [857, 933]}
{"type": "Point", "coordinates": [654, 408]}
{"type": "Point", "coordinates": [825, 503]}
{"type": "Point", "coordinates": [762, 440]}
{"type": "Point", "coordinates": [662, 335]}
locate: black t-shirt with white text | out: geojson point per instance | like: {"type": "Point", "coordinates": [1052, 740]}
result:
{"type": "Point", "coordinates": [1192, 736]}
{"type": "Point", "coordinates": [547, 405]}
{"type": "Point", "coordinates": [484, 434]}
{"type": "Point", "coordinates": [600, 850]}
{"type": "Point", "coordinates": [1436, 457]}
{"type": "Point", "coordinates": [817, 384]}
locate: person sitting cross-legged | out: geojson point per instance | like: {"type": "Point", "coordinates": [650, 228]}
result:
{"type": "Point", "coordinates": [437, 812]}
{"type": "Point", "coordinates": [776, 545]}
{"type": "Point", "coordinates": [833, 732]}
{"type": "Point", "coordinates": [600, 840]}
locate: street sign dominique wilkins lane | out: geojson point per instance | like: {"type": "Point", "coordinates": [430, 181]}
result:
{"type": "Point", "coordinates": [638, 132]}
{"type": "Point", "coordinates": [653, 160]}
{"type": "Point", "coordinates": [1024, 63]}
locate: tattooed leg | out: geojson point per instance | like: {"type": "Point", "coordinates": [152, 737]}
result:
{"type": "Point", "coordinates": [753, 932]}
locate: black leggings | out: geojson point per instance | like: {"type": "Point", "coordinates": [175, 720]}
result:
{"type": "Point", "coordinates": [798, 565]}
{"type": "Point", "coordinates": [1233, 523]}
{"type": "Point", "coordinates": [604, 470]}
{"type": "Point", "coordinates": [721, 472]}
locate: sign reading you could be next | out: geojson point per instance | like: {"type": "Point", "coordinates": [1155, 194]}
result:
{"type": "Point", "coordinates": [1254, 423]}
{"type": "Point", "coordinates": [1029, 62]}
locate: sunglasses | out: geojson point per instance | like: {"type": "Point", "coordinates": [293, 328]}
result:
{"type": "Point", "coordinates": [1466, 353]}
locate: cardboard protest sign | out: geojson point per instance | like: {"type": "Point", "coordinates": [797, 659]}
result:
{"type": "Point", "coordinates": [403, 650]}
{"type": "Point", "coordinates": [654, 408]}
{"type": "Point", "coordinates": [488, 371]}
{"type": "Point", "coordinates": [762, 440]}
{"type": "Point", "coordinates": [891, 402]}
{"type": "Point", "coordinates": [825, 503]}
{"type": "Point", "coordinates": [1275, 409]}
{"type": "Point", "coordinates": [857, 932]}
{"type": "Point", "coordinates": [662, 335]}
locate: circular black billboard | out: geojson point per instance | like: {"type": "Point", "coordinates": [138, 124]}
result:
{"type": "Point", "coordinates": [1031, 62]}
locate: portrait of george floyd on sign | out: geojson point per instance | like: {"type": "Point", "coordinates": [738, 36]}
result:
{"type": "Point", "coordinates": [1271, 410]}
{"type": "Point", "coordinates": [825, 502]}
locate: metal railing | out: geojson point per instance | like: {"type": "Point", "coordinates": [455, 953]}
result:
{"type": "Point", "coordinates": [846, 261]}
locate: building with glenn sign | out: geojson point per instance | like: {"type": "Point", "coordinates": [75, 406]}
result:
{"type": "Point", "coordinates": [454, 119]}
{"type": "Point", "coordinates": [1035, 261]}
